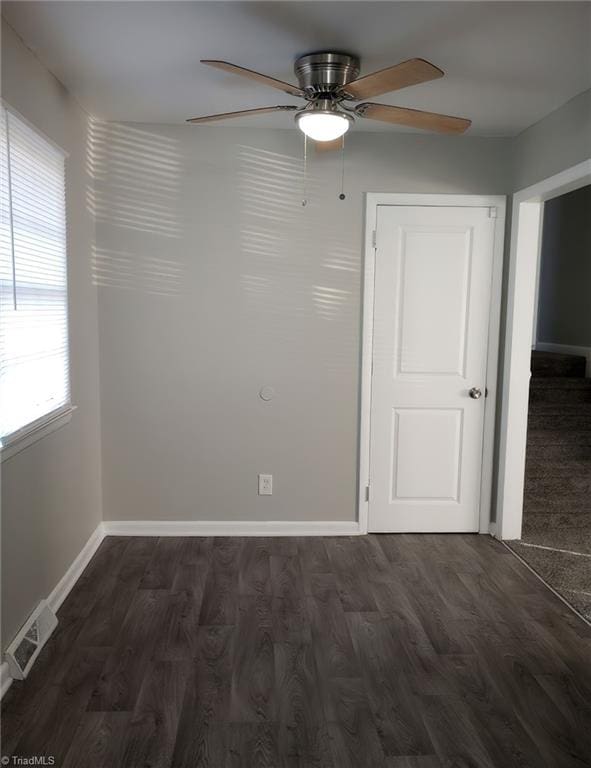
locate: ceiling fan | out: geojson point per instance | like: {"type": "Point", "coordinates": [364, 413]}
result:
{"type": "Point", "coordinates": [329, 82]}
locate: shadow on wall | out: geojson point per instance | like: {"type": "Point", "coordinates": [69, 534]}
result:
{"type": "Point", "coordinates": [298, 261]}
{"type": "Point", "coordinates": [135, 187]}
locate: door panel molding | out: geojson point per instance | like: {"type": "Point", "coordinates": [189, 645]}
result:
{"type": "Point", "coordinates": [416, 322]}
{"type": "Point", "coordinates": [402, 477]}
{"type": "Point", "coordinates": [497, 206]}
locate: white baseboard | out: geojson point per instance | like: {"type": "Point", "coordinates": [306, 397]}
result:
{"type": "Point", "coordinates": [64, 587]}
{"type": "Point", "coordinates": [230, 528]}
{"type": "Point", "coordinates": [5, 678]}
{"type": "Point", "coordinates": [62, 590]}
{"type": "Point", "coordinates": [567, 349]}
{"type": "Point", "coordinates": [181, 528]}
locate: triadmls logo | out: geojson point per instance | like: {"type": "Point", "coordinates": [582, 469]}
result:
{"type": "Point", "coordinates": [31, 760]}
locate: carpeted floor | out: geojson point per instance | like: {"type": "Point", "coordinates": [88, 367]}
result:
{"type": "Point", "coordinates": [556, 538]}
{"type": "Point", "coordinates": [568, 573]}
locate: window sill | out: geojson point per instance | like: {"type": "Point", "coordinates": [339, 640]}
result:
{"type": "Point", "coordinates": [37, 431]}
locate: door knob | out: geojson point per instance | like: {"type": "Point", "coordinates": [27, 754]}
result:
{"type": "Point", "coordinates": [475, 393]}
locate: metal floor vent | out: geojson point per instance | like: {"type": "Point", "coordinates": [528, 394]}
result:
{"type": "Point", "coordinates": [27, 645]}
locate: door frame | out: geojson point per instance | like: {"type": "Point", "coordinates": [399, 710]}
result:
{"type": "Point", "coordinates": [524, 254]}
{"type": "Point", "coordinates": [373, 200]}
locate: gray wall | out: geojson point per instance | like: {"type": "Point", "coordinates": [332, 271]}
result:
{"type": "Point", "coordinates": [564, 301]}
{"type": "Point", "coordinates": [562, 139]}
{"type": "Point", "coordinates": [51, 492]}
{"type": "Point", "coordinates": [213, 282]}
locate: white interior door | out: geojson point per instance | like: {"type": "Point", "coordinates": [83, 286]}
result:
{"type": "Point", "coordinates": [432, 303]}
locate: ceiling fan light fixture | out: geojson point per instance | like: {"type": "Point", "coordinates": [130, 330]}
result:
{"type": "Point", "coordinates": [323, 123]}
{"type": "Point", "coordinates": [329, 81]}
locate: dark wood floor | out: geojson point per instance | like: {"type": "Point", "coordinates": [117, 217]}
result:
{"type": "Point", "coordinates": [379, 651]}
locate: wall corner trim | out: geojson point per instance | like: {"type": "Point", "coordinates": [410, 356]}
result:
{"type": "Point", "coordinates": [231, 528]}
{"type": "Point", "coordinates": [62, 590]}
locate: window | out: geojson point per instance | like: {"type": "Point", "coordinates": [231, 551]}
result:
{"type": "Point", "coordinates": [34, 370]}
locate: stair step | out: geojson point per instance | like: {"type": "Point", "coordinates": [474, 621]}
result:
{"type": "Point", "coordinates": [573, 437]}
{"type": "Point", "coordinates": [555, 364]}
{"type": "Point", "coordinates": [560, 409]}
{"type": "Point", "coordinates": [560, 486]}
{"type": "Point", "coordinates": [559, 389]}
{"type": "Point", "coordinates": [546, 467]}
{"type": "Point", "coordinates": [560, 382]}
{"type": "Point", "coordinates": [559, 421]}
{"type": "Point", "coordinates": [544, 451]}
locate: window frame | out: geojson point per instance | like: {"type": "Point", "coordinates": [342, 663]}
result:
{"type": "Point", "coordinates": [29, 434]}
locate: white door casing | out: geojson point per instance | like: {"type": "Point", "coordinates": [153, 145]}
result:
{"type": "Point", "coordinates": [432, 294]}
{"type": "Point", "coordinates": [522, 267]}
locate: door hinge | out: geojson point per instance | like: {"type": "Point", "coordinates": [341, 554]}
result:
{"type": "Point", "coordinates": [367, 492]}
{"type": "Point", "coordinates": [492, 212]}
{"type": "Point", "coordinates": [373, 239]}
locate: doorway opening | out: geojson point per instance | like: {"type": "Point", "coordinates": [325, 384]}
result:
{"type": "Point", "coordinates": [526, 238]}
{"type": "Point", "coordinates": [556, 527]}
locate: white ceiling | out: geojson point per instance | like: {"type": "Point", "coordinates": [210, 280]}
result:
{"type": "Point", "coordinates": [507, 64]}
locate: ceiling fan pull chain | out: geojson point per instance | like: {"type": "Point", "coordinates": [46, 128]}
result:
{"type": "Point", "coordinates": [305, 198]}
{"type": "Point", "coordinates": [342, 195]}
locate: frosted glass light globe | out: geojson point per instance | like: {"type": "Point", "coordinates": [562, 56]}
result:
{"type": "Point", "coordinates": [322, 126]}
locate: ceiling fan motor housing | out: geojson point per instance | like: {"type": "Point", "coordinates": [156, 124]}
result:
{"type": "Point", "coordinates": [324, 73]}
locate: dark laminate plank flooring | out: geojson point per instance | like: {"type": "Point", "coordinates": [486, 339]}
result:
{"type": "Point", "coordinates": [384, 651]}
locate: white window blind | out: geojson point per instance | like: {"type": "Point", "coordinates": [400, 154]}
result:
{"type": "Point", "coordinates": [34, 370]}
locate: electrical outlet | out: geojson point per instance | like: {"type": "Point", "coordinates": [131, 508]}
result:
{"type": "Point", "coordinates": [265, 485]}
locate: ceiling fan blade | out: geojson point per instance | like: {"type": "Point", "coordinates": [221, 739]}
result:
{"type": "Point", "coordinates": [293, 90]}
{"type": "Point", "coordinates": [241, 113]}
{"type": "Point", "coordinates": [414, 118]}
{"type": "Point", "coordinates": [329, 146]}
{"type": "Point", "coordinates": [411, 72]}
